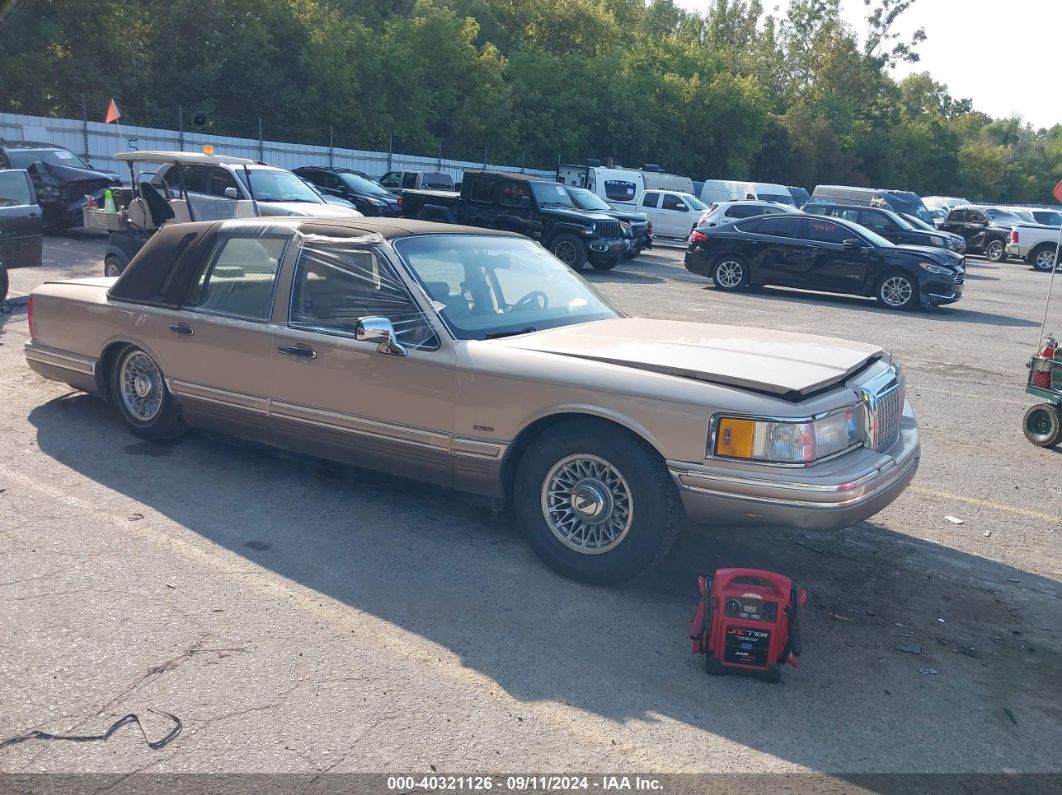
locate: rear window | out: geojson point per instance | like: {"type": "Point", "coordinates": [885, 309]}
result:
{"type": "Point", "coordinates": [151, 275]}
{"type": "Point", "coordinates": [619, 190]}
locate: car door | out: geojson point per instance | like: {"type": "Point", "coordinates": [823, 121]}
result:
{"type": "Point", "coordinates": [481, 208]}
{"type": "Point", "coordinates": [650, 205]}
{"type": "Point", "coordinates": [780, 255]}
{"type": "Point", "coordinates": [675, 217]}
{"type": "Point", "coordinates": [516, 209]}
{"type": "Point", "coordinates": [217, 347]}
{"type": "Point", "coordinates": [21, 221]}
{"type": "Point", "coordinates": [954, 221]}
{"type": "Point", "coordinates": [834, 266]}
{"type": "Point", "coordinates": [335, 395]}
{"type": "Point", "coordinates": [975, 225]}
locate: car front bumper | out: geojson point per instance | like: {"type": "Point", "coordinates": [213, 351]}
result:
{"type": "Point", "coordinates": [938, 293]}
{"type": "Point", "coordinates": [607, 249]}
{"type": "Point", "coordinates": [802, 498]}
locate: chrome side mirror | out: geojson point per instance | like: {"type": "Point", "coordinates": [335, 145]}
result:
{"type": "Point", "coordinates": [379, 330]}
{"type": "Point", "coordinates": [231, 193]}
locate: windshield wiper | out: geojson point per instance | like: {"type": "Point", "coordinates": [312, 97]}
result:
{"type": "Point", "coordinates": [499, 334]}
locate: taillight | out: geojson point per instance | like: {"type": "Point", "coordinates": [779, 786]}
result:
{"type": "Point", "coordinates": [399, 201]}
{"type": "Point", "coordinates": [29, 317]}
{"type": "Point", "coordinates": [1014, 236]}
{"type": "Point", "coordinates": [697, 236]}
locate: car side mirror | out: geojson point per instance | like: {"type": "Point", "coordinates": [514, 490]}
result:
{"type": "Point", "coordinates": [852, 244]}
{"type": "Point", "coordinates": [379, 331]}
{"type": "Point", "coordinates": [230, 193]}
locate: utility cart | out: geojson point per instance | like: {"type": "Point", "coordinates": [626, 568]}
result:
{"type": "Point", "coordinates": [1043, 422]}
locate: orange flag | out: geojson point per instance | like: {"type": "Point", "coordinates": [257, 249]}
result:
{"type": "Point", "coordinates": [113, 114]}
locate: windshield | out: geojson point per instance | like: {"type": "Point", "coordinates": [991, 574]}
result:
{"type": "Point", "coordinates": [778, 198]}
{"type": "Point", "coordinates": [585, 200]}
{"type": "Point", "coordinates": [23, 158]}
{"type": "Point", "coordinates": [550, 194]}
{"type": "Point", "coordinates": [1000, 215]}
{"type": "Point", "coordinates": [1025, 215]}
{"type": "Point", "coordinates": [918, 223]}
{"type": "Point", "coordinates": [362, 184]}
{"type": "Point", "coordinates": [485, 287]}
{"type": "Point", "coordinates": [695, 203]}
{"type": "Point", "coordinates": [1048, 217]}
{"type": "Point", "coordinates": [281, 186]}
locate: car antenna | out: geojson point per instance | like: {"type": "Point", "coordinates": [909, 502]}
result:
{"type": "Point", "coordinates": [250, 191]}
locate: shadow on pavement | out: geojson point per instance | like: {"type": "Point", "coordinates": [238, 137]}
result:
{"type": "Point", "coordinates": [927, 657]}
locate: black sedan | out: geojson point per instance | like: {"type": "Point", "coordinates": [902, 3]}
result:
{"type": "Point", "coordinates": [828, 254]}
{"type": "Point", "coordinates": [367, 195]}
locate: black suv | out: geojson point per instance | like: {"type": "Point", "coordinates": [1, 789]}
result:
{"type": "Point", "coordinates": [61, 178]}
{"type": "Point", "coordinates": [366, 194]}
{"type": "Point", "coordinates": [986, 229]}
{"type": "Point", "coordinates": [889, 225]}
{"type": "Point", "coordinates": [538, 208]}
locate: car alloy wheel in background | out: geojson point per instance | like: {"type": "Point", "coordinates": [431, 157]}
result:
{"type": "Point", "coordinates": [995, 251]}
{"type": "Point", "coordinates": [1044, 259]}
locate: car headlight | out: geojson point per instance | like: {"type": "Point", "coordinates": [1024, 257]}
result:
{"type": "Point", "coordinates": [48, 193]}
{"type": "Point", "coordinates": [374, 202]}
{"type": "Point", "coordinates": [936, 241]}
{"type": "Point", "coordinates": [935, 269]}
{"type": "Point", "coordinates": [625, 228]}
{"type": "Point", "coordinates": [782, 442]}
{"type": "Point", "coordinates": [590, 231]}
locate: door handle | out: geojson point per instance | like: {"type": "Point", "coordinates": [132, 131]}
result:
{"type": "Point", "coordinates": [300, 351]}
{"type": "Point", "coordinates": [182, 330]}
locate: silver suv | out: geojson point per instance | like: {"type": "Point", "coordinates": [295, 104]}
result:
{"type": "Point", "coordinates": [725, 212]}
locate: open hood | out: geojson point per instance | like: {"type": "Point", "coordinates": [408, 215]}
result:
{"type": "Point", "coordinates": [777, 362]}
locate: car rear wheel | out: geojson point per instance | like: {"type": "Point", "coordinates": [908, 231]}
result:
{"type": "Point", "coordinates": [597, 504]}
{"type": "Point", "coordinates": [995, 251]}
{"type": "Point", "coordinates": [4, 283]}
{"type": "Point", "coordinates": [897, 291]}
{"type": "Point", "coordinates": [1043, 258]}
{"type": "Point", "coordinates": [139, 390]}
{"type": "Point", "coordinates": [730, 273]}
{"type": "Point", "coordinates": [570, 250]}
{"type": "Point", "coordinates": [1042, 425]}
{"type": "Point", "coordinates": [112, 266]}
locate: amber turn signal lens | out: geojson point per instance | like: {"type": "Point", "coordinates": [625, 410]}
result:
{"type": "Point", "coordinates": [734, 438]}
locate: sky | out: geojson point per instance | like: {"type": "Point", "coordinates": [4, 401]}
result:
{"type": "Point", "coordinates": [1002, 54]}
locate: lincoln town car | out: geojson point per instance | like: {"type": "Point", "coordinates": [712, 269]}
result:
{"type": "Point", "coordinates": [476, 360]}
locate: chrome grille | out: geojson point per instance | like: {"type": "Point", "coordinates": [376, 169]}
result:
{"type": "Point", "coordinates": [883, 399]}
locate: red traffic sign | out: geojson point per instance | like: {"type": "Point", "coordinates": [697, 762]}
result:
{"type": "Point", "coordinates": [1058, 191]}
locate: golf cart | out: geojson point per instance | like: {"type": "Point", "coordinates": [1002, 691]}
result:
{"type": "Point", "coordinates": [177, 187]}
{"type": "Point", "coordinates": [1042, 423]}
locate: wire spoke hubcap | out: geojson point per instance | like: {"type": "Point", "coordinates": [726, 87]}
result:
{"type": "Point", "coordinates": [896, 291]}
{"type": "Point", "coordinates": [141, 387]}
{"type": "Point", "coordinates": [729, 274]}
{"type": "Point", "coordinates": [587, 504]}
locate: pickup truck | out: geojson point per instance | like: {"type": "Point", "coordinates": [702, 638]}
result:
{"type": "Point", "coordinates": [534, 207]}
{"type": "Point", "coordinates": [985, 229]}
{"type": "Point", "coordinates": [1034, 243]}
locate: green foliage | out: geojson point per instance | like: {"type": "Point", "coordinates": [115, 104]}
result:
{"type": "Point", "coordinates": [736, 92]}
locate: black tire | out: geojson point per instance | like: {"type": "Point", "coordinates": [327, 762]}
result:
{"type": "Point", "coordinates": [112, 266]}
{"type": "Point", "coordinates": [1042, 425]}
{"type": "Point", "coordinates": [632, 253]}
{"type": "Point", "coordinates": [607, 264]}
{"type": "Point", "coordinates": [162, 423]}
{"type": "Point", "coordinates": [897, 290]}
{"type": "Point", "coordinates": [996, 251]}
{"type": "Point", "coordinates": [632, 474]}
{"type": "Point", "coordinates": [1042, 258]}
{"type": "Point", "coordinates": [730, 273]}
{"type": "Point", "coordinates": [570, 250]}
{"type": "Point", "coordinates": [5, 284]}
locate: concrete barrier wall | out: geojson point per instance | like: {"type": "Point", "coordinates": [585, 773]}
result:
{"type": "Point", "coordinates": [100, 141]}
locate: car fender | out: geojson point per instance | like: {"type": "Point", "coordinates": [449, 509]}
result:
{"type": "Point", "coordinates": [563, 228]}
{"type": "Point", "coordinates": [561, 410]}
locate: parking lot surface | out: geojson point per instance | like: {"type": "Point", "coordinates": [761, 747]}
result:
{"type": "Point", "coordinates": [297, 615]}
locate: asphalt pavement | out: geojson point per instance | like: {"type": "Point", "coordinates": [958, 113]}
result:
{"type": "Point", "coordinates": [300, 616]}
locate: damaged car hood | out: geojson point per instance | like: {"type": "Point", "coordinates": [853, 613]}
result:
{"type": "Point", "coordinates": [776, 362]}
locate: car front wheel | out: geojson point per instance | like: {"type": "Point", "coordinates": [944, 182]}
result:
{"type": "Point", "coordinates": [112, 266]}
{"type": "Point", "coordinates": [596, 503]}
{"type": "Point", "coordinates": [139, 390]}
{"type": "Point", "coordinates": [995, 251]}
{"type": "Point", "coordinates": [570, 250]}
{"type": "Point", "coordinates": [897, 291]}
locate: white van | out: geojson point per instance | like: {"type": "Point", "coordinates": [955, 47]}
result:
{"type": "Point", "coordinates": [721, 190]}
{"type": "Point", "coordinates": [656, 179]}
{"type": "Point", "coordinates": [620, 187]}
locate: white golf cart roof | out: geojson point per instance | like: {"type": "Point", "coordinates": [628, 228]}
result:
{"type": "Point", "coordinates": [184, 158]}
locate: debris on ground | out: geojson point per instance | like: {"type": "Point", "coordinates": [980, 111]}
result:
{"type": "Point", "coordinates": [910, 648]}
{"type": "Point", "coordinates": [928, 671]}
{"type": "Point", "coordinates": [955, 520]}
{"type": "Point", "coordinates": [132, 717]}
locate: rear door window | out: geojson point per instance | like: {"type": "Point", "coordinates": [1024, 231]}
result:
{"type": "Point", "coordinates": [650, 199]}
{"type": "Point", "coordinates": [481, 190]}
{"type": "Point", "coordinates": [239, 276]}
{"type": "Point", "coordinates": [779, 226]}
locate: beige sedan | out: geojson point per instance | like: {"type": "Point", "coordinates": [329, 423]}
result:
{"type": "Point", "coordinates": [476, 360]}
